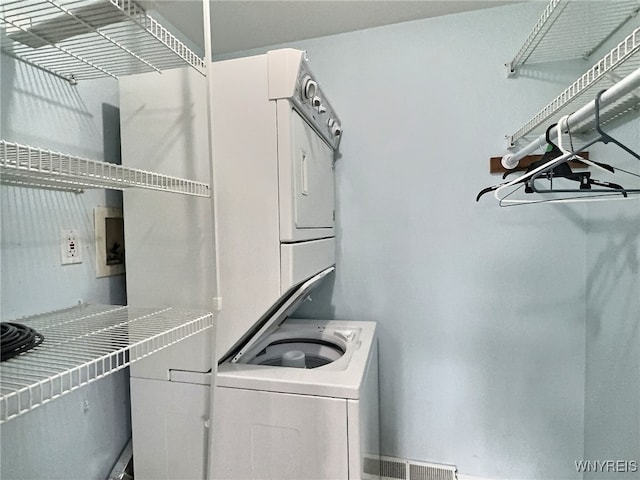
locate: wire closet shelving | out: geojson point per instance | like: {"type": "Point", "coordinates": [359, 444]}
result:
{"type": "Point", "coordinates": [615, 65]}
{"type": "Point", "coordinates": [85, 343]}
{"type": "Point", "coordinates": [85, 39]}
{"type": "Point", "coordinates": [80, 40]}
{"type": "Point", "coordinates": [35, 167]}
{"type": "Point", "coordinates": [569, 29]}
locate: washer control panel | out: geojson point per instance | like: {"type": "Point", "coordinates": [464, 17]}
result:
{"type": "Point", "coordinates": [347, 335]}
{"type": "Point", "coordinates": [315, 107]}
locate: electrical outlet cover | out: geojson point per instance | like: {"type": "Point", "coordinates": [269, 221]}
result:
{"type": "Point", "coordinates": [70, 248]}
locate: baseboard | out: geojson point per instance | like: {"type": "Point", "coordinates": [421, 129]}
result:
{"type": "Point", "coordinates": [461, 476]}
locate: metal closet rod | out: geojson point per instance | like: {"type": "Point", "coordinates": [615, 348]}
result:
{"type": "Point", "coordinates": [613, 94]}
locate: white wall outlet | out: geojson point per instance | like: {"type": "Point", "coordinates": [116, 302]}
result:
{"type": "Point", "coordinates": [70, 248]}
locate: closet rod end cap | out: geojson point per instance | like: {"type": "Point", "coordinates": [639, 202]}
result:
{"type": "Point", "coordinates": [509, 161]}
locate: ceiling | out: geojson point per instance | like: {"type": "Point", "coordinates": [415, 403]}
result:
{"type": "Point", "coordinates": [243, 25]}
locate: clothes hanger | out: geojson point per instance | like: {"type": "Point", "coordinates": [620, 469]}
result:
{"type": "Point", "coordinates": [554, 151]}
{"type": "Point", "coordinates": [605, 137]}
{"type": "Point", "coordinates": [586, 194]}
{"type": "Point", "coordinates": [563, 169]}
{"type": "Point", "coordinates": [538, 168]}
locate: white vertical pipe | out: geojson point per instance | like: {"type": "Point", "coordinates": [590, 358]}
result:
{"type": "Point", "coordinates": [208, 53]}
{"type": "Point", "coordinates": [217, 299]}
{"type": "Point", "coordinates": [614, 93]}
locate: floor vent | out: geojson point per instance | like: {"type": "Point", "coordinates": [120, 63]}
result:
{"type": "Point", "coordinates": [393, 468]}
{"type": "Point", "coordinates": [401, 469]}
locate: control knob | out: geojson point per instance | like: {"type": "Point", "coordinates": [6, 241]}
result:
{"type": "Point", "coordinates": [322, 109]}
{"type": "Point", "coordinates": [336, 129]}
{"type": "Point", "coordinates": [316, 102]}
{"type": "Point", "coordinates": [310, 87]}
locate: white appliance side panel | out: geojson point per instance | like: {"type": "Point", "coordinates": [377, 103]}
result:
{"type": "Point", "coordinates": [170, 440]}
{"type": "Point", "coordinates": [168, 237]}
{"type": "Point", "coordinates": [278, 436]}
{"type": "Point", "coordinates": [300, 261]}
{"type": "Point", "coordinates": [364, 426]}
{"type": "Point", "coordinates": [179, 356]}
{"type": "Point", "coordinates": [306, 179]}
{"type": "Point", "coordinates": [284, 65]}
{"type": "Point", "coordinates": [245, 160]}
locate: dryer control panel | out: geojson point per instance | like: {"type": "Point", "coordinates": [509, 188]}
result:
{"type": "Point", "coordinates": [315, 107]}
{"type": "Point", "coordinates": [290, 78]}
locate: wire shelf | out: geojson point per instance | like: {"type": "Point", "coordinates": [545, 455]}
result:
{"type": "Point", "coordinates": [574, 29]}
{"type": "Point", "coordinates": [618, 63]}
{"type": "Point", "coordinates": [85, 343]}
{"type": "Point", "coordinates": [34, 167]}
{"type": "Point", "coordinates": [84, 39]}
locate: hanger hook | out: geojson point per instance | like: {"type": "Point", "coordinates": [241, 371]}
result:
{"type": "Point", "coordinates": [604, 136]}
{"type": "Point", "coordinates": [562, 120]}
{"type": "Point", "coordinates": [546, 135]}
{"type": "Point", "coordinates": [597, 114]}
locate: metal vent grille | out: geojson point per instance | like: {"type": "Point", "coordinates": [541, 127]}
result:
{"type": "Point", "coordinates": [395, 468]}
{"type": "Point", "coordinates": [431, 472]}
{"type": "Point", "coordinates": [402, 469]}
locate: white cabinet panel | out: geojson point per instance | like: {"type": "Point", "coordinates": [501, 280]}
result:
{"type": "Point", "coordinates": [170, 440]}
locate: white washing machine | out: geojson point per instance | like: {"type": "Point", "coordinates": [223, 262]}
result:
{"type": "Point", "coordinates": [298, 400]}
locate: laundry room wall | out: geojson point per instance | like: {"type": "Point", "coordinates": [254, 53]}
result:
{"type": "Point", "coordinates": [481, 310]}
{"type": "Point", "coordinates": [612, 405]}
{"type": "Point", "coordinates": [81, 434]}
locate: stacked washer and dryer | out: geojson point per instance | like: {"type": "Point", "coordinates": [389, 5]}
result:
{"type": "Point", "coordinates": [292, 399]}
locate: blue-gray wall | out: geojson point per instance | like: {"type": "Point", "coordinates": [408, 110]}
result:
{"type": "Point", "coordinates": [481, 310]}
{"type": "Point", "coordinates": [612, 393]}
{"type": "Point", "coordinates": [80, 435]}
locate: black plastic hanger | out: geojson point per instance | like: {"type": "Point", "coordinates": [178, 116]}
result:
{"type": "Point", "coordinates": [563, 170]}
{"type": "Point", "coordinates": [605, 137]}
{"type": "Point", "coordinates": [552, 152]}
{"type": "Point", "coordinates": [586, 181]}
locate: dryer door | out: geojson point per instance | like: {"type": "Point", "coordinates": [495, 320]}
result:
{"type": "Point", "coordinates": [305, 177]}
{"type": "Point", "coordinates": [313, 177]}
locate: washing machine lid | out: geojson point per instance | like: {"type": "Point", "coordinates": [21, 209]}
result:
{"type": "Point", "coordinates": [276, 315]}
